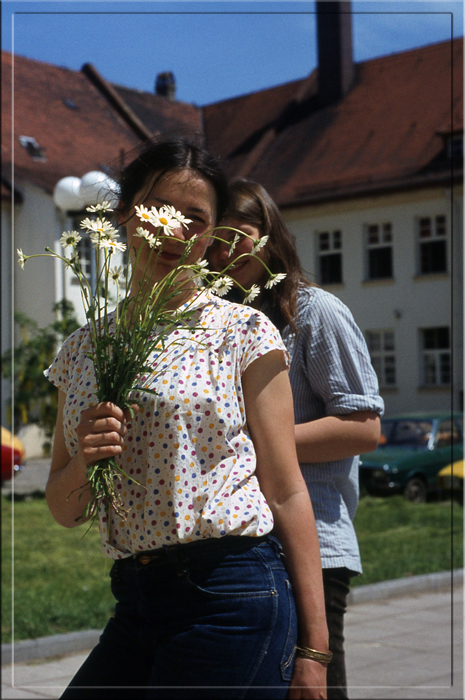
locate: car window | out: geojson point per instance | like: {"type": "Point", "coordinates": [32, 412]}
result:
{"type": "Point", "coordinates": [408, 433]}
{"type": "Point", "coordinates": [447, 434]}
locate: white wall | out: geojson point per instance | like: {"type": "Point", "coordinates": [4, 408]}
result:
{"type": "Point", "coordinates": [404, 304]}
{"type": "Point", "coordinates": [7, 305]}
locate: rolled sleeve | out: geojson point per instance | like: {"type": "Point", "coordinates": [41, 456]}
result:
{"type": "Point", "coordinates": [335, 358]}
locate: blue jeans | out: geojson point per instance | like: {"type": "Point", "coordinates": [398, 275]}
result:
{"type": "Point", "coordinates": [207, 621]}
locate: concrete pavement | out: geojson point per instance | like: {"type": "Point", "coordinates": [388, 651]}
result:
{"type": "Point", "coordinates": [404, 638]}
{"type": "Point", "coordinates": [398, 647]}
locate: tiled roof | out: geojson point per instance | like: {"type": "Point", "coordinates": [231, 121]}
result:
{"type": "Point", "coordinates": [387, 132]}
{"type": "Point", "coordinates": [159, 114]}
{"type": "Point", "coordinates": [64, 113]}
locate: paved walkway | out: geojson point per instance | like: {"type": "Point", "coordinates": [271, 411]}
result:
{"type": "Point", "coordinates": [397, 647]}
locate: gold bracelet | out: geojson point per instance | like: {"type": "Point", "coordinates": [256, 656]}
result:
{"type": "Point", "coordinates": [323, 656]}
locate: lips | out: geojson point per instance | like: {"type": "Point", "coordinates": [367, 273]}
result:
{"type": "Point", "coordinates": [168, 256]}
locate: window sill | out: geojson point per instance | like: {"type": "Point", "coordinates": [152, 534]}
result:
{"type": "Point", "coordinates": [378, 282]}
{"type": "Point", "coordinates": [332, 285]}
{"type": "Point", "coordinates": [431, 277]}
{"type": "Point", "coordinates": [435, 389]}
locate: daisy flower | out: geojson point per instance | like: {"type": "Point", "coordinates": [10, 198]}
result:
{"type": "Point", "coordinates": [143, 213]}
{"type": "Point", "coordinates": [260, 243]}
{"type": "Point", "coordinates": [275, 279]}
{"type": "Point", "coordinates": [104, 206]}
{"type": "Point", "coordinates": [99, 226]}
{"type": "Point", "coordinates": [222, 286]}
{"type": "Point", "coordinates": [162, 219]}
{"type": "Point", "coordinates": [70, 239]}
{"type": "Point", "coordinates": [254, 291]}
{"type": "Point", "coordinates": [177, 215]}
{"type": "Point", "coordinates": [116, 273]}
{"type": "Point", "coordinates": [111, 245]}
{"type": "Point", "coordinates": [21, 258]}
{"type": "Point", "coordinates": [236, 240]}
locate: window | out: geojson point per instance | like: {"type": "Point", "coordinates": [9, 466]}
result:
{"type": "Point", "coordinates": [378, 251]}
{"type": "Point", "coordinates": [436, 356]}
{"type": "Point", "coordinates": [32, 147]}
{"type": "Point", "coordinates": [381, 346]}
{"type": "Point", "coordinates": [447, 434]}
{"type": "Point", "coordinates": [330, 257]}
{"type": "Point", "coordinates": [433, 244]}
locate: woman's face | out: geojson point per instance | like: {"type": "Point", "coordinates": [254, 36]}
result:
{"type": "Point", "coordinates": [195, 198]}
{"type": "Point", "coordinates": [245, 270]}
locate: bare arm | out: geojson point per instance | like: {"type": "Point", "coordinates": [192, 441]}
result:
{"type": "Point", "coordinates": [270, 420]}
{"type": "Point", "coordinates": [337, 437]}
{"type": "Point", "coordinates": [100, 434]}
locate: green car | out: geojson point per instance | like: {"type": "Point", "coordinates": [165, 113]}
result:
{"type": "Point", "coordinates": [413, 448]}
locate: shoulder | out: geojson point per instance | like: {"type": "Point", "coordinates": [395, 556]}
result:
{"type": "Point", "coordinates": [315, 305]}
{"type": "Point", "coordinates": [240, 313]}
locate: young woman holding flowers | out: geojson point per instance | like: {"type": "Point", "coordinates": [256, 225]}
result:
{"type": "Point", "coordinates": [335, 390]}
{"type": "Point", "coordinates": [205, 607]}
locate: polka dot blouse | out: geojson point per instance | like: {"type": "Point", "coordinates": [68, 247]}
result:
{"type": "Point", "coordinates": [188, 448]}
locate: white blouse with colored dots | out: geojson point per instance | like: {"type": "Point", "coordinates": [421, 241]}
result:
{"type": "Point", "coordinates": [188, 448]}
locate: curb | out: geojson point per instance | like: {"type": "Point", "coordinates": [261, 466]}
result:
{"type": "Point", "coordinates": [73, 642]}
{"type": "Point", "coordinates": [405, 586]}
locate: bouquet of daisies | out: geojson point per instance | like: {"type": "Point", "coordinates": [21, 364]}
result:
{"type": "Point", "coordinates": [126, 331]}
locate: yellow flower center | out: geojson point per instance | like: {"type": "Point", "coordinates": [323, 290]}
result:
{"type": "Point", "coordinates": [163, 221]}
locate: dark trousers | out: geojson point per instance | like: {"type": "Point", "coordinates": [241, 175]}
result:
{"type": "Point", "coordinates": [214, 619]}
{"type": "Point", "coordinates": [336, 588]}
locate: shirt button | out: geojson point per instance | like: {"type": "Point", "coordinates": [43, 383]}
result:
{"type": "Point", "coordinates": [144, 559]}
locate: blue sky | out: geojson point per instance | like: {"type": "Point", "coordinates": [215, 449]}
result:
{"type": "Point", "coordinates": [215, 49]}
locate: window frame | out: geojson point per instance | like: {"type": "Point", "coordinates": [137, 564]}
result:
{"type": "Point", "coordinates": [382, 229]}
{"type": "Point", "coordinates": [434, 238]}
{"type": "Point", "coordinates": [334, 250]}
{"type": "Point", "coordinates": [434, 357]}
{"type": "Point", "coordinates": [383, 354]}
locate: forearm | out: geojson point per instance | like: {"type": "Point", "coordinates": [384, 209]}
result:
{"type": "Point", "coordinates": [331, 438]}
{"type": "Point", "coordinates": [294, 526]}
{"type": "Point", "coordinates": [66, 493]}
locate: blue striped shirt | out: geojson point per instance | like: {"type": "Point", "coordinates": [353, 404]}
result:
{"type": "Point", "coordinates": [331, 374]}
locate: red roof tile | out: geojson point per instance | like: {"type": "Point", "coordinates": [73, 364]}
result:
{"type": "Point", "coordinates": [386, 132]}
{"type": "Point", "coordinates": [70, 120]}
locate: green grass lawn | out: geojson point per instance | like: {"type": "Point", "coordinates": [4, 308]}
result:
{"type": "Point", "coordinates": [398, 538]}
{"type": "Point", "coordinates": [61, 584]}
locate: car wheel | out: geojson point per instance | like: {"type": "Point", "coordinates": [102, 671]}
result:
{"type": "Point", "coordinates": [415, 490]}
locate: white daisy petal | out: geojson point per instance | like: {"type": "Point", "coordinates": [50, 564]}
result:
{"type": "Point", "coordinates": [21, 258]}
{"type": "Point", "coordinates": [253, 292]}
{"type": "Point", "coordinates": [275, 279]}
{"type": "Point", "coordinates": [222, 286]}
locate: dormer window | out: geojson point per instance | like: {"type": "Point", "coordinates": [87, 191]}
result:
{"type": "Point", "coordinates": [32, 147]}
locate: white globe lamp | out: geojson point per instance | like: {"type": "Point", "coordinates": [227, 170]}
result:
{"type": "Point", "coordinates": [66, 194]}
{"type": "Point", "coordinates": [97, 187]}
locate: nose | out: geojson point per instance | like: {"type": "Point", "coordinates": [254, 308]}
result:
{"type": "Point", "coordinates": [179, 232]}
{"type": "Point", "coordinates": [220, 254]}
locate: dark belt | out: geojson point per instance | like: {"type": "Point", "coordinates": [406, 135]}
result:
{"type": "Point", "coordinates": [198, 547]}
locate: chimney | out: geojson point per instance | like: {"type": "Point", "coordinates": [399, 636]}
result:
{"type": "Point", "coordinates": [165, 85]}
{"type": "Point", "coordinates": [335, 62]}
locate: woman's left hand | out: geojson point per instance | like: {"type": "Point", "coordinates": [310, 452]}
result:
{"type": "Point", "coordinates": [308, 680]}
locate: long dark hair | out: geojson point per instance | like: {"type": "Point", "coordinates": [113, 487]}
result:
{"type": "Point", "coordinates": [165, 155]}
{"type": "Point", "coordinates": [251, 203]}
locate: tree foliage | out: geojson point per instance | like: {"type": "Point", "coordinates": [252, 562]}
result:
{"type": "Point", "coordinates": [35, 398]}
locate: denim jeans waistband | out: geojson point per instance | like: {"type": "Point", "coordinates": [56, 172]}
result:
{"type": "Point", "coordinates": [190, 550]}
